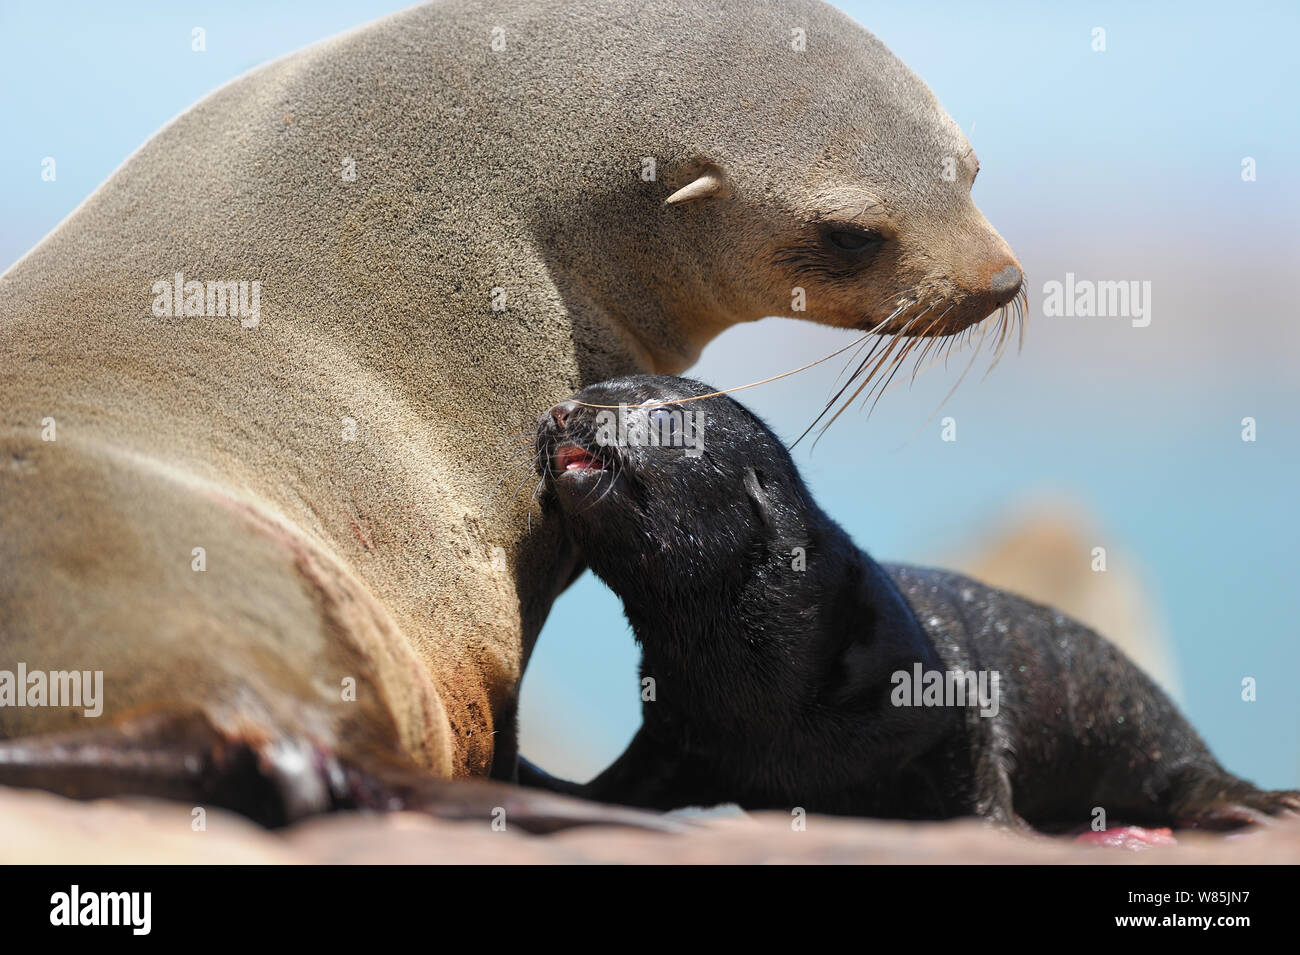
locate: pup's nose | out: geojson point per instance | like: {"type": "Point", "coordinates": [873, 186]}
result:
{"type": "Point", "coordinates": [560, 413]}
{"type": "Point", "coordinates": [1006, 283]}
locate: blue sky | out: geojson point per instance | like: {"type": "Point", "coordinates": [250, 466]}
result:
{"type": "Point", "coordinates": [1118, 165]}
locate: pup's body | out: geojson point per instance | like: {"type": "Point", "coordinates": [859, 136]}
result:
{"type": "Point", "coordinates": [776, 687]}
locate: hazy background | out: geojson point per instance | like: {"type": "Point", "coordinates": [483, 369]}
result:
{"type": "Point", "coordinates": [1122, 165]}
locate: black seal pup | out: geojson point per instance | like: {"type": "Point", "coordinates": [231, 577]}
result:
{"type": "Point", "coordinates": [784, 667]}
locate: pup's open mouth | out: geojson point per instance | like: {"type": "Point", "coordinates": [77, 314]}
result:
{"type": "Point", "coordinates": [570, 457]}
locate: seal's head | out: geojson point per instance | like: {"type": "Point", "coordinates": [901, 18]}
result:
{"type": "Point", "coordinates": [799, 169]}
{"type": "Point", "coordinates": [857, 191]}
{"type": "Point", "coordinates": [692, 493]}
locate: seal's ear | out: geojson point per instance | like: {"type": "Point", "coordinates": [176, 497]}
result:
{"type": "Point", "coordinates": [710, 182]}
{"type": "Point", "coordinates": [758, 497]}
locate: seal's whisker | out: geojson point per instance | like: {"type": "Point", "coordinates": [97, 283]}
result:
{"type": "Point", "coordinates": [1019, 306]}
{"type": "Point", "coordinates": [1022, 313]}
{"type": "Point", "coordinates": [605, 494]}
{"type": "Point", "coordinates": [870, 375]}
{"type": "Point", "coordinates": [999, 341]}
{"type": "Point", "coordinates": [532, 501]}
{"type": "Point", "coordinates": [514, 496]}
{"type": "Point", "coordinates": [752, 384]}
{"type": "Point", "coordinates": [590, 491]}
{"type": "Point", "coordinates": [512, 467]}
{"type": "Point", "coordinates": [894, 365]}
{"type": "Point", "coordinates": [852, 358]}
{"type": "Point", "coordinates": [984, 327]}
{"type": "Point", "coordinates": [536, 461]}
{"type": "Point", "coordinates": [536, 465]}
{"type": "Point", "coordinates": [938, 359]}
{"type": "Point", "coordinates": [868, 371]}
{"type": "Point", "coordinates": [931, 343]}
{"type": "Point", "coordinates": [1012, 313]}
{"type": "Point", "coordinates": [876, 374]}
{"type": "Point", "coordinates": [890, 343]}
{"type": "Point", "coordinates": [911, 344]}
{"type": "Point", "coordinates": [920, 361]}
{"type": "Point", "coordinates": [875, 330]}
{"type": "Point", "coordinates": [879, 389]}
{"type": "Point", "coordinates": [611, 464]}
{"type": "Point", "coordinates": [871, 335]}
{"type": "Point", "coordinates": [910, 294]}
{"type": "Point", "coordinates": [862, 365]}
{"type": "Point", "coordinates": [956, 344]}
{"type": "Point", "coordinates": [834, 399]}
{"type": "Point", "coordinates": [876, 343]}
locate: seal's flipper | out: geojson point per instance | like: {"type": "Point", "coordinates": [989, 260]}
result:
{"type": "Point", "coordinates": [171, 756]}
{"type": "Point", "coordinates": [276, 780]}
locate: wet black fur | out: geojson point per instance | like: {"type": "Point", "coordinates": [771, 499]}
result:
{"type": "Point", "coordinates": [773, 685]}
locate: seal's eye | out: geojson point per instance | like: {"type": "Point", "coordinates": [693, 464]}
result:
{"type": "Point", "coordinates": [664, 424]}
{"type": "Point", "coordinates": [855, 241]}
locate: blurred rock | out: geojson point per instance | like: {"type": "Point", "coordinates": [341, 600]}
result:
{"type": "Point", "coordinates": [1043, 550]}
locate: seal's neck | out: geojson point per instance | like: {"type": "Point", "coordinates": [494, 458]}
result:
{"type": "Point", "coordinates": [643, 293]}
{"type": "Point", "coordinates": [665, 328]}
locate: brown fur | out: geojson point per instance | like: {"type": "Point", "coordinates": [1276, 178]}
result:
{"type": "Point", "coordinates": [475, 169]}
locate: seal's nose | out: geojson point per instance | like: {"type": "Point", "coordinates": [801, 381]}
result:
{"type": "Point", "coordinates": [560, 413]}
{"type": "Point", "coordinates": [1006, 283]}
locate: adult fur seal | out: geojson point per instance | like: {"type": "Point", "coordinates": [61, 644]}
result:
{"type": "Point", "coordinates": [788, 667]}
{"type": "Point", "coordinates": [444, 222]}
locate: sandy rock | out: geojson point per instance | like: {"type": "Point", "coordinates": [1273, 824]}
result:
{"type": "Point", "coordinates": [37, 827]}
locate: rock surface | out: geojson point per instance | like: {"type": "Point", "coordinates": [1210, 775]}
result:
{"type": "Point", "coordinates": [36, 827]}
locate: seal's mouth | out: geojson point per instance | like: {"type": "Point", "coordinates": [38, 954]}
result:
{"type": "Point", "coordinates": [569, 458]}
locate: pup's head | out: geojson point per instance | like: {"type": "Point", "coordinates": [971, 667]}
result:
{"type": "Point", "coordinates": [690, 493]}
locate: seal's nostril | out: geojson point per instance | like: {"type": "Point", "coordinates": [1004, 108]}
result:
{"type": "Point", "coordinates": [560, 413]}
{"type": "Point", "coordinates": [1007, 282]}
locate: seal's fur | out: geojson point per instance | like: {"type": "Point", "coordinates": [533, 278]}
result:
{"type": "Point", "coordinates": [501, 244]}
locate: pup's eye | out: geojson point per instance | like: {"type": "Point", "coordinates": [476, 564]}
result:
{"type": "Point", "coordinates": [663, 422]}
{"type": "Point", "coordinates": [854, 240]}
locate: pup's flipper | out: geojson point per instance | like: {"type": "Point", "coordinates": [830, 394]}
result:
{"type": "Point", "coordinates": [1232, 803]}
